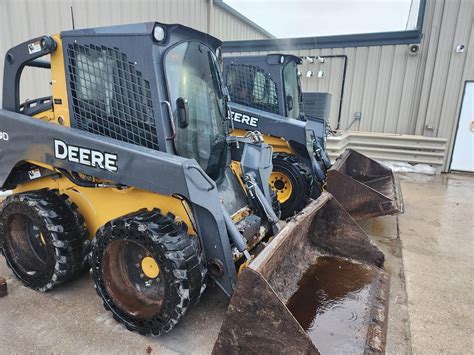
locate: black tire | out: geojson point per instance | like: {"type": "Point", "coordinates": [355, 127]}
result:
{"type": "Point", "coordinates": [43, 238]}
{"type": "Point", "coordinates": [147, 303]}
{"type": "Point", "coordinates": [300, 178]}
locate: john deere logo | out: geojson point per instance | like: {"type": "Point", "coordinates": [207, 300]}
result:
{"type": "Point", "coordinates": [85, 156]}
{"type": "Point", "coordinates": [245, 119]}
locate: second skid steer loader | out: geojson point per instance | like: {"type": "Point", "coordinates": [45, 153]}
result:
{"type": "Point", "coordinates": [266, 96]}
{"type": "Point", "coordinates": [126, 165]}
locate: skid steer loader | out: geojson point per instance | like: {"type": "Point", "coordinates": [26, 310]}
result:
{"type": "Point", "coordinates": [266, 96]}
{"type": "Point", "coordinates": [127, 163]}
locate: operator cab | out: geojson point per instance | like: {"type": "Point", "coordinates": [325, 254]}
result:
{"type": "Point", "coordinates": [151, 86]}
{"type": "Point", "coordinates": [269, 83]}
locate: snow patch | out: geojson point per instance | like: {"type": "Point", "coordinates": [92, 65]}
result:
{"type": "Point", "coordinates": [403, 167]}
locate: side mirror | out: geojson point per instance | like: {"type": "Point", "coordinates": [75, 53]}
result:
{"type": "Point", "coordinates": [182, 109]}
{"type": "Point", "coordinates": [289, 102]}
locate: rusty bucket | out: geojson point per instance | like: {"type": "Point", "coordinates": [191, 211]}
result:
{"type": "Point", "coordinates": [316, 288]}
{"type": "Point", "coordinates": [364, 187]}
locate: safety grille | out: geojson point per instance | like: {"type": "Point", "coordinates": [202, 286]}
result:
{"type": "Point", "coordinates": [109, 96]}
{"type": "Point", "coordinates": [251, 86]}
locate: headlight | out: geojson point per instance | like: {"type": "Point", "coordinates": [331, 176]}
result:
{"type": "Point", "coordinates": [159, 33]}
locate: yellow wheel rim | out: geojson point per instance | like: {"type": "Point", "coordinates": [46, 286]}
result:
{"type": "Point", "coordinates": [281, 184]}
{"type": "Point", "coordinates": [150, 267]}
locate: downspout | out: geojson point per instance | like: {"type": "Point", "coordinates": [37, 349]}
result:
{"type": "Point", "coordinates": [339, 114]}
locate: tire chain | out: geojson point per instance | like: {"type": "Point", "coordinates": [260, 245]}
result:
{"type": "Point", "coordinates": [66, 227]}
{"type": "Point", "coordinates": [183, 253]}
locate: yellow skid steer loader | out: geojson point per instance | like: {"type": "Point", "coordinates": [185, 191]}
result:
{"type": "Point", "coordinates": [126, 167]}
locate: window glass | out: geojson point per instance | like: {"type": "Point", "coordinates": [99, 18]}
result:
{"type": "Point", "coordinates": [292, 92]}
{"type": "Point", "coordinates": [192, 74]}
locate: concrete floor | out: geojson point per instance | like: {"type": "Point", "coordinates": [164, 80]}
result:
{"type": "Point", "coordinates": [437, 233]}
{"type": "Point", "coordinates": [429, 254]}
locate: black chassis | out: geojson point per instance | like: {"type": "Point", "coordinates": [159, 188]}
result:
{"type": "Point", "coordinates": [160, 171]}
{"type": "Point", "coordinates": [307, 136]}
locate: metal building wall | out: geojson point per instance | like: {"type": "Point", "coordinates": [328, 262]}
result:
{"type": "Point", "coordinates": [21, 20]}
{"type": "Point", "coordinates": [397, 92]}
{"type": "Point", "coordinates": [230, 28]}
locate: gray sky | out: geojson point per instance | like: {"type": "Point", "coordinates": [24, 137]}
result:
{"type": "Point", "coordinates": [303, 18]}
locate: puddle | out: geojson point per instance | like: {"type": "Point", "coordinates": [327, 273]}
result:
{"type": "Point", "coordinates": [331, 304]}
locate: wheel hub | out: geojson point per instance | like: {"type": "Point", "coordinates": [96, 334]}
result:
{"type": "Point", "coordinates": [281, 184]}
{"type": "Point", "coordinates": [150, 267]}
{"type": "Point", "coordinates": [130, 273]}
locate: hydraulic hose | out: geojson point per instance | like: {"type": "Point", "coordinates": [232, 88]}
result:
{"type": "Point", "coordinates": [76, 179]}
{"type": "Point", "coordinates": [235, 235]}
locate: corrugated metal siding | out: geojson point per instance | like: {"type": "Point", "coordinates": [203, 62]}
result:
{"type": "Point", "coordinates": [21, 20]}
{"type": "Point", "coordinates": [398, 92]}
{"type": "Point", "coordinates": [230, 28]}
{"type": "Point", "coordinates": [391, 147]}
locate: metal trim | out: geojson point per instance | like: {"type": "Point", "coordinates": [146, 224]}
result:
{"type": "Point", "coordinates": [339, 41]}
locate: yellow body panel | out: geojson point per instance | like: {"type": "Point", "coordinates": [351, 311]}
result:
{"type": "Point", "coordinates": [279, 145]}
{"type": "Point", "coordinates": [100, 205]}
{"type": "Point", "coordinates": [237, 171]}
{"type": "Point", "coordinates": [58, 85]}
{"type": "Point", "coordinates": [45, 115]}
{"type": "Point", "coordinates": [60, 113]}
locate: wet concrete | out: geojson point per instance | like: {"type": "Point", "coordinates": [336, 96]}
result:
{"type": "Point", "coordinates": [437, 232]}
{"type": "Point", "coordinates": [429, 254]}
{"type": "Point", "coordinates": [385, 233]}
{"type": "Point", "coordinates": [71, 320]}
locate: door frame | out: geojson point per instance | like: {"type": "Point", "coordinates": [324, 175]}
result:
{"type": "Point", "coordinates": [457, 124]}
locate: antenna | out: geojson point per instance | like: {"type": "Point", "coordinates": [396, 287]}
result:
{"type": "Point", "coordinates": [72, 18]}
